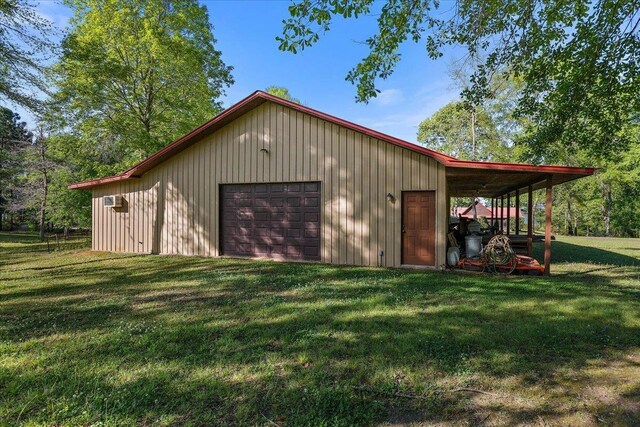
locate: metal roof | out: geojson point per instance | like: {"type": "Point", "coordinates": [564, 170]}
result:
{"type": "Point", "coordinates": [521, 174]}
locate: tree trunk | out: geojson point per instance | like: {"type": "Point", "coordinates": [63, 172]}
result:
{"type": "Point", "coordinates": [473, 134]}
{"type": "Point", "coordinates": [45, 185]}
{"type": "Point", "coordinates": [42, 221]}
{"type": "Point", "coordinates": [567, 218]}
{"type": "Point", "coordinates": [606, 208]}
{"type": "Point", "coordinates": [11, 212]}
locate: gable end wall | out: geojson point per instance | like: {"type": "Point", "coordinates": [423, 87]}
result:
{"type": "Point", "coordinates": [173, 209]}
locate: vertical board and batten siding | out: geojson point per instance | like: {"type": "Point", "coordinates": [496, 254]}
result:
{"type": "Point", "coordinates": [174, 208]}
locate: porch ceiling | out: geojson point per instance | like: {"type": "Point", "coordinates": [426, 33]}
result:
{"type": "Point", "coordinates": [495, 181]}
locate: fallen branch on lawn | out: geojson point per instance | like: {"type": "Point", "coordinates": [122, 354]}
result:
{"type": "Point", "coordinates": [270, 421]}
{"type": "Point", "coordinates": [473, 390]}
{"type": "Point", "coordinates": [418, 397]}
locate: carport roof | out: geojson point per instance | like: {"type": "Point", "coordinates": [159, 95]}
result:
{"type": "Point", "coordinates": [464, 177]}
{"type": "Point", "coordinates": [489, 179]}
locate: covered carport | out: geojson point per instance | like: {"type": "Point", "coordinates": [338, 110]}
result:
{"type": "Point", "coordinates": [500, 182]}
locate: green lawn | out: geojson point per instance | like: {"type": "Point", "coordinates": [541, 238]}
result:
{"type": "Point", "coordinates": [104, 339]}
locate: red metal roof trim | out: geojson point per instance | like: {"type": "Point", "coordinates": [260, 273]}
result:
{"type": "Point", "coordinates": [358, 128]}
{"type": "Point", "coordinates": [99, 181]}
{"type": "Point", "coordinates": [170, 150]}
{"type": "Point", "coordinates": [518, 167]}
{"type": "Point", "coordinates": [259, 97]}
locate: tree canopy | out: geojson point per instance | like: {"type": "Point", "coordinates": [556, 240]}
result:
{"type": "Point", "coordinates": [25, 46]}
{"type": "Point", "coordinates": [578, 61]}
{"type": "Point", "coordinates": [131, 77]}
{"type": "Point", "coordinates": [135, 75]}
{"type": "Point", "coordinates": [14, 139]}
{"type": "Point", "coordinates": [282, 92]}
{"type": "Point", "coordinates": [465, 134]}
{"type": "Point", "coordinates": [541, 81]}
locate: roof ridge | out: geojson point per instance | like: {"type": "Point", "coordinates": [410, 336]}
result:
{"type": "Point", "coordinates": [259, 97]}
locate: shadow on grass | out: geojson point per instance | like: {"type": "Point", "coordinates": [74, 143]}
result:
{"type": "Point", "coordinates": [564, 252]}
{"type": "Point", "coordinates": [186, 340]}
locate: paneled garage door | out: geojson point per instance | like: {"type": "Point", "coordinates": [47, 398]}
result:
{"type": "Point", "coordinates": [279, 221]}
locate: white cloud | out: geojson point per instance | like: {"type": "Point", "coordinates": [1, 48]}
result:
{"type": "Point", "coordinates": [56, 13]}
{"type": "Point", "coordinates": [403, 119]}
{"type": "Point", "coordinates": [388, 97]}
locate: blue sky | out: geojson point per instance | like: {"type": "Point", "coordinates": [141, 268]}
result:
{"type": "Point", "coordinates": [246, 32]}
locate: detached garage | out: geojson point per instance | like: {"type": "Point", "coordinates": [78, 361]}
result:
{"type": "Point", "coordinates": [271, 178]}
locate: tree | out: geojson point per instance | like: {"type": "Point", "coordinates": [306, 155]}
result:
{"type": "Point", "coordinates": [578, 61]}
{"type": "Point", "coordinates": [469, 135]}
{"type": "Point", "coordinates": [618, 182]}
{"type": "Point", "coordinates": [25, 46]}
{"type": "Point", "coordinates": [465, 132]}
{"type": "Point", "coordinates": [14, 138]}
{"type": "Point", "coordinates": [135, 75]}
{"type": "Point", "coordinates": [40, 166]}
{"type": "Point", "coordinates": [606, 203]}
{"type": "Point", "coordinates": [72, 160]}
{"type": "Point", "coordinates": [282, 92]}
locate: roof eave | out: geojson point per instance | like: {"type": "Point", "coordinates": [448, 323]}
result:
{"type": "Point", "coordinates": [519, 167]}
{"type": "Point", "coordinates": [257, 98]}
{"type": "Point", "coordinates": [101, 181]}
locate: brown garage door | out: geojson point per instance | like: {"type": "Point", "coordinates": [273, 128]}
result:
{"type": "Point", "coordinates": [279, 221]}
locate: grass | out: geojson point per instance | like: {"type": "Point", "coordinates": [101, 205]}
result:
{"type": "Point", "coordinates": [112, 339]}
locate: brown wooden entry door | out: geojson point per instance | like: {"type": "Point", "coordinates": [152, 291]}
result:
{"type": "Point", "coordinates": [418, 228]}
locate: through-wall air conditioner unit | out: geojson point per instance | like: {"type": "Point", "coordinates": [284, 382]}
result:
{"type": "Point", "coordinates": [112, 201]}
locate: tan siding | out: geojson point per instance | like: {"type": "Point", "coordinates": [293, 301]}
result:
{"type": "Point", "coordinates": [372, 209]}
{"type": "Point", "coordinates": [198, 219]}
{"type": "Point", "coordinates": [324, 174]}
{"type": "Point", "coordinates": [350, 197]}
{"type": "Point", "coordinates": [174, 208]}
{"type": "Point", "coordinates": [184, 186]}
{"type": "Point", "coordinates": [162, 203]}
{"type": "Point", "coordinates": [95, 242]}
{"type": "Point", "coordinates": [171, 206]}
{"type": "Point", "coordinates": [178, 214]}
{"type": "Point", "coordinates": [204, 198]}
{"type": "Point", "coordinates": [358, 201]}
{"type": "Point", "coordinates": [399, 157]}
{"type": "Point", "coordinates": [336, 196]}
{"type": "Point", "coordinates": [259, 135]}
{"type": "Point", "coordinates": [218, 144]}
{"type": "Point", "coordinates": [297, 165]}
{"type": "Point", "coordinates": [193, 236]}
{"type": "Point", "coordinates": [389, 179]}
{"type": "Point", "coordinates": [268, 142]}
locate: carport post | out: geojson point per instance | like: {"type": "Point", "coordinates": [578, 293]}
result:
{"type": "Point", "coordinates": [508, 213]}
{"type": "Point", "coordinates": [547, 228]}
{"type": "Point", "coordinates": [502, 214]}
{"type": "Point", "coordinates": [492, 208]}
{"type": "Point", "coordinates": [517, 212]}
{"type": "Point", "coordinates": [530, 222]}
